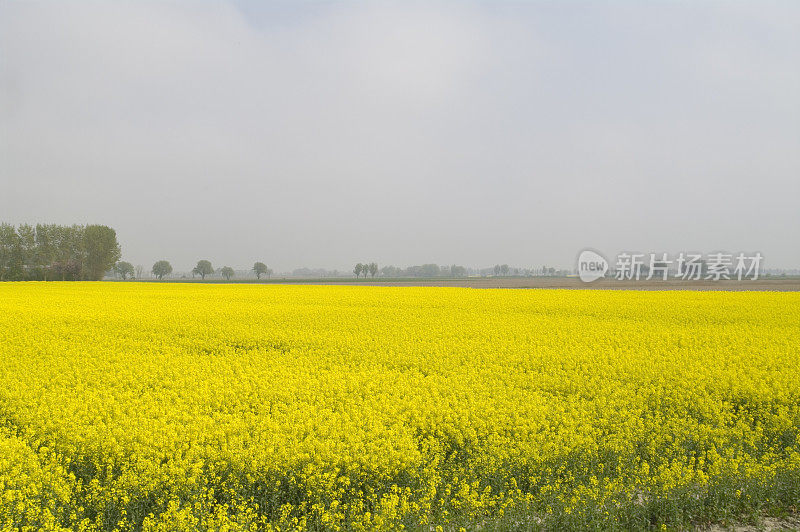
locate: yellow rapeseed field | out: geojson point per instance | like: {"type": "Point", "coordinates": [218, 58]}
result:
{"type": "Point", "coordinates": [152, 406]}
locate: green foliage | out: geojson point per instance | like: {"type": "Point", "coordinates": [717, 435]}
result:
{"type": "Point", "coordinates": [227, 272]}
{"type": "Point", "coordinates": [102, 250]}
{"type": "Point", "coordinates": [259, 268]}
{"type": "Point", "coordinates": [458, 271]}
{"type": "Point", "coordinates": [162, 268]}
{"type": "Point", "coordinates": [48, 251]}
{"type": "Point", "coordinates": [370, 268]}
{"type": "Point", "coordinates": [124, 270]}
{"type": "Point", "coordinates": [203, 268]}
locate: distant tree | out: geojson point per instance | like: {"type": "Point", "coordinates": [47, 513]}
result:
{"type": "Point", "coordinates": [162, 268]}
{"type": "Point", "coordinates": [124, 269]}
{"type": "Point", "coordinates": [69, 251]}
{"type": "Point", "coordinates": [69, 270]}
{"type": "Point", "coordinates": [259, 268]}
{"type": "Point", "coordinates": [390, 271]}
{"type": "Point", "coordinates": [8, 251]}
{"type": "Point", "coordinates": [430, 270]}
{"type": "Point", "coordinates": [139, 271]}
{"type": "Point", "coordinates": [358, 269]}
{"type": "Point", "coordinates": [269, 272]}
{"type": "Point", "coordinates": [25, 253]}
{"type": "Point", "coordinates": [45, 248]}
{"type": "Point", "coordinates": [373, 269]}
{"type": "Point", "coordinates": [496, 269]}
{"type": "Point", "coordinates": [504, 269]}
{"type": "Point", "coordinates": [102, 250]}
{"type": "Point", "coordinates": [227, 272]}
{"type": "Point", "coordinates": [203, 268]}
{"type": "Point", "coordinates": [458, 271]}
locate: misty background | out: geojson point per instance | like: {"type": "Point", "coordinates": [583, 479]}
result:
{"type": "Point", "coordinates": [323, 134]}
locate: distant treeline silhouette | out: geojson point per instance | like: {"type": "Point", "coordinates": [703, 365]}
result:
{"type": "Point", "coordinates": [424, 270]}
{"type": "Point", "coordinates": [47, 252]}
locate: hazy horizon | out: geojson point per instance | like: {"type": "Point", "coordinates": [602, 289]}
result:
{"type": "Point", "coordinates": [319, 135]}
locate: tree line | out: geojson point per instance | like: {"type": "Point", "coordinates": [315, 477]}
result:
{"type": "Point", "coordinates": [371, 268]}
{"type": "Point", "coordinates": [45, 252]}
{"type": "Point", "coordinates": [163, 268]}
{"type": "Point", "coordinates": [424, 270]}
{"type": "Point", "coordinates": [452, 271]}
{"type": "Point", "coordinates": [89, 252]}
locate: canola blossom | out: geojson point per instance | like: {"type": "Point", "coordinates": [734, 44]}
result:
{"type": "Point", "coordinates": [145, 406]}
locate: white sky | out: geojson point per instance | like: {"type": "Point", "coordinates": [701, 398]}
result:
{"type": "Point", "coordinates": [324, 134]}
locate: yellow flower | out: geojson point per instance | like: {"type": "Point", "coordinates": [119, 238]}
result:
{"type": "Point", "coordinates": [239, 407]}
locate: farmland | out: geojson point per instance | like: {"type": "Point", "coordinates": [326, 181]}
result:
{"type": "Point", "coordinates": [248, 407]}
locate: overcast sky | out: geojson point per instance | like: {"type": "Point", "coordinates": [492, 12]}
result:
{"type": "Point", "coordinates": [324, 134]}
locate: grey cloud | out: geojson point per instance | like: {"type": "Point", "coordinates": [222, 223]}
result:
{"type": "Point", "coordinates": [324, 134]}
